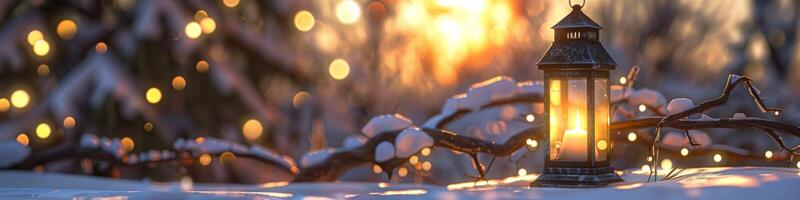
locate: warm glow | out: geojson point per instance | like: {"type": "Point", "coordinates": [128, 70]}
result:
{"type": "Point", "coordinates": [532, 144]}
{"type": "Point", "coordinates": [193, 30]}
{"type": "Point", "coordinates": [41, 48]}
{"type": "Point", "coordinates": [208, 25]}
{"type": "Point", "coordinates": [339, 69]}
{"type": "Point", "coordinates": [522, 172]}
{"type": "Point", "coordinates": [34, 36]}
{"type": "Point", "coordinates": [23, 139]}
{"type": "Point", "coordinates": [201, 66]}
{"type": "Point", "coordinates": [402, 172]}
{"type": "Point", "coordinates": [768, 154]}
{"type": "Point", "coordinates": [666, 164]}
{"type": "Point", "coordinates": [43, 130]}
{"type": "Point", "coordinates": [101, 47]}
{"type": "Point", "coordinates": [602, 145]}
{"type": "Point", "coordinates": [642, 108]}
{"type": "Point", "coordinates": [252, 129]}
{"type": "Point", "coordinates": [719, 181]}
{"type": "Point", "coordinates": [348, 11]}
{"type": "Point", "coordinates": [427, 165]}
{"type": "Point", "coordinates": [178, 83]}
{"type": "Point", "coordinates": [20, 98]}
{"type": "Point", "coordinates": [632, 137]}
{"type": "Point", "coordinates": [376, 169]}
{"type": "Point", "coordinates": [798, 164]}
{"type": "Point", "coordinates": [204, 159]}
{"type": "Point", "coordinates": [66, 29]}
{"type": "Point", "coordinates": [413, 160]}
{"type": "Point", "coordinates": [649, 158]}
{"type": "Point", "coordinates": [717, 158]}
{"type": "Point", "coordinates": [127, 144]}
{"type": "Point", "coordinates": [153, 95]}
{"type": "Point", "coordinates": [69, 122]}
{"type": "Point", "coordinates": [425, 151]}
{"type": "Point", "coordinates": [227, 157]}
{"type": "Point", "coordinates": [230, 3]}
{"type": "Point", "coordinates": [148, 126]}
{"type": "Point", "coordinates": [304, 21]}
{"type": "Point", "coordinates": [200, 15]}
{"type": "Point", "coordinates": [530, 118]}
{"type": "Point", "coordinates": [684, 151]}
{"type": "Point", "coordinates": [43, 70]}
{"type": "Point", "coordinates": [300, 98]}
{"type": "Point", "coordinates": [574, 142]}
{"type": "Point", "coordinates": [623, 80]}
{"type": "Point", "coordinates": [4, 105]}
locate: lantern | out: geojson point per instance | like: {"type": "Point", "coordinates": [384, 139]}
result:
{"type": "Point", "coordinates": [576, 72]}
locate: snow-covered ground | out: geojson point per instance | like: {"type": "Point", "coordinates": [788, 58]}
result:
{"type": "Point", "coordinates": [699, 183]}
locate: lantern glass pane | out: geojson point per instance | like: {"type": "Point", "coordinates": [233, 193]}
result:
{"type": "Point", "coordinates": [568, 119]}
{"type": "Point", "coordinates": [601, 120]}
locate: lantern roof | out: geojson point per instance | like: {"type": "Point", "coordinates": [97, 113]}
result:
{"type": "Point", "coordinates": [576, 19]}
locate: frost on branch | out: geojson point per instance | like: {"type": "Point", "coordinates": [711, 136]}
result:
{"type": "Point", "coordinates": [679, 105]}
{"type": "Point", "coordinates": [385, 123]}
{"type": "Point", "coordinates": [411, 141]}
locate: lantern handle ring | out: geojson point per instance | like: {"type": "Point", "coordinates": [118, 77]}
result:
{"type": "Point", "coordinates": [584, 3]}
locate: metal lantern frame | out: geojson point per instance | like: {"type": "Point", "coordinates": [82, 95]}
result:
{"type": "Point", "coordinates": [577, 55]}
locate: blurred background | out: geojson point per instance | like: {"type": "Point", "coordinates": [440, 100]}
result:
{"type": "Point", "coordinates": [296, 76]}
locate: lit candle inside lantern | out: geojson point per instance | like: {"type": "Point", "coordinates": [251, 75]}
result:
{"type": "Point", "coordinates": [574, 142]}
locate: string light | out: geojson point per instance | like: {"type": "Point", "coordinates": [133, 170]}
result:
{"type": "Point", "coordinates": [178, 83]}
{"type": "Point", "coordinates": [127, 144]}
{"type": "Point", "coordinates": [41, 48]}
{"type": "Point", "coordinates": [717, 158]}
{"type": "Point", "coordinates": [201, 66]}
{"type": "Point", "coordinates": [426, 151]}
{"type": "Point", "coordinates": [777, 113]}
{"type": "Point", "coordinates": [193, 30]}
{"type": "Point", "coordinates": [649, 158]}
{"type": "Point", "coordinates": [642, 108]}
{"type": "Point", "coordinates": [666, 164]}
{"type": "Point", "coordinates": [413, 160]}
{"type": "Point", "coordinates": [20, 98]}
{"type": "Point", "coordinates": [339, 69]}
{"type": "Point", "coordinates": [101, 48]}
{"type": "Point", "coordinates": [204, 159]}
{"type": "Point", "coordinates": [23, 139]}
{"type": "Point", "coordinates": [602, 145]}
{"type": "Point", "coordinates": [200, 15]}
{"type": "Point", "coordinates": [230, 3]}
{"type": "Point", "coordinates": [376, 169]}
{"type": "Point", "coordinates": [684, 152]}
{"type": "Point", "coordinates": [148, 126]}
{"type": "Point", "coordinates": [522, 172]}
{"type": "Point", "coordinates": [304, 21]}
{"type": "Point", "coordinates": [532, 144]}
{"type": "Point", "coordinates": [427, 165]}
{"type": "Point", "coordinates": [69, 122]}
{"type": "Point", "coordinates": [43, 130]}
{"type": "Point", "coordinates": [402, 172]}
{"type": "Point", "coordinates": [227, 157]}
{"type": "Point", "coordinates": [798, 164]}
{"type": "Point", "coordinates": [768, 154]}
{"type": "Point", "coordinates": [34, 36]}
{"type": "Point", "coordinates": [300, 98]}
{"type": "Point", "coordinates": [623, 80]}
{"type": "Point", "coordinates": [348, 11]}
{"type": "Point", "coordinates": [43, 70]}
{"type": "Point", "coordinates": [66, 29]}
{"type": "Point", "coordinates": [530, 118]}
{"type": "Point", "coordinates": [4, 105]}
{"type": "Point", "coordinates": [208, 25]}
{"type": "Point", "coordinates": [153, 95]}
{"type": "Point", "coordinates": [632, 137]}
{"type": "Point", "coordinates": [252, 129]}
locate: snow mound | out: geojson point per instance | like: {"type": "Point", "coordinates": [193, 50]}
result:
{"type": "Point", "coordinates": [679, 105]}
{"type": "Point", "coordinates": [268, 154]}
{"type": "Point", "coordinates": [483, 92]}
{"type": "Point", "coordinates": [620, 92]}
{"type": "Point", "coordinates": [433, 121]}
{"type": "Point", "coordinates": [677, 140]}
{"type": "Point", "coordinates": [353, 142]}
{"type": "Point", "coordinates": [384, 123]}
{"type": "Point", "coordinates": [453, 104]}
{"type": "Point", "coordinates": [13, 153]}
{"type": "Point", "coordinates": [411, 141]}
{"type": "Point", "coordinates": [530, 87]}
{"type": "Point", "coordinates": [739, 116]}
{"type": "Point", "coordinates": [384, 151]}
{"type": "Point", "coordinates": [316, 157]}
{"type": "Point", "coordinates": [647, 97]}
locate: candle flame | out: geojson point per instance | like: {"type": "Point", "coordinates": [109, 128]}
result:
{"type": "Point", "coordinates": [578, 120]}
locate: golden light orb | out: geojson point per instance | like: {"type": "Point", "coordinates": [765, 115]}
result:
{"type": "Point", "coordinates": [304, 21]}
{"type": "Point", "coordinates": [69, 122]}
{"type": "Point", "coordinates": [34, 36]}
{"type": "Point", "coordinates": [193, 30]}
{"type": "Point", "coordinates": [499, 35]}
{"type": "Point", "coordinates": [204, 159]}
{"type": "Point", "coordinates": [66, 29]}
{"type": "Point", "coordinates": [43, 70]}
{"type": "Point", "coordinates": [23, 139]}
{"type": "Point", "coordinates": [252, 129]}
{"type": "Point", "coordinates": [413, 160]}
{"type": "Point", "coordinates": [101, 47]}
{"type": "Point", "coordinates": [684, 151]}
{"type": "Point", "coordinates": [623, 80]}
{"type": "Point", "coordinates": [768, 154]}
{"type": "Point", "coordinates": [642, 108]}
{"type": "Point", "coordinates": [20, 98]}
{"type": "Point", "coordinates": [4, 105]}
{"type": "Point", "coordinates": [427, 165]}
{"type": "Point", "coordinates": [230, 3]}
{"type": "Point", "coordinates": [649, 158]}
{"type": "Point", "coordinates": [200, 15]}
{"type": "Point", "coordinates": [666, 164]}
{"type": "Point", "coordinates": [425, 151]}
{"type": "Point", "coordinates": [339, 69]}
{"type": "Point", "coordinates": [127, 144]}
{"type": "Point", "coordinates": [798, 164]}
{"type": "Point", "coordinates": [530, 118]}
{"type": "Point", "coordinates": [602, 145]}
{"type": "Point", "coordinates": [402, 172]}
{"type": "Point", "coordinates": [153, 95]}
{"type": "Point", "coordinates": [717, 158]}
{"type": "Point", "coordinates": [201, 66]}
{"type": "Point", "coordinates": [300, 98]}
{"type": "Point", "coordinates": [532, 144]}
{"type": "Point", "coordinates": [208, 25]}
{"type": "Point", "coordinates": [227, 157]}
{"type": "Point", "coordinates": [348, 11]}
{"type": "Point", "coordinates": [178, 83]}
{"type": "Point", "coordinates": [522, 172]}
{"type": "Point", "coordinates": [41, 48]}
{"type": "Point", "coordinates": [632, 136]}
{"type": "Point", "coordinates": [376, 169]}
{"type": "Point", "coordinates": [43, 130]}
{"type": "Point", "coordinates": [148, 126]}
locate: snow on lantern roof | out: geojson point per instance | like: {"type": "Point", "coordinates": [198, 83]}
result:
{"type": "Point", "coordinates": [576, 19]}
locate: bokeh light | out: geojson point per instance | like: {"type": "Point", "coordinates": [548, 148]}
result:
{"type": "Point", "coordinates": [69, 122]}
{"type": "Point", "coordinates": [43, 70]}
{"type": "Point", "coordinates": [632, 137]}
{"type": "Point", "coordinates": [4, 105]}
{"type": "Point", "coordinates": [193, 30]}
{"type": "Point", "coordinates": [41, 48]}
{"type": "Point", "coordinates": [684, 152]}
{"type": "Point", "coordinates": [339, 69]}
{"type": "Point", "coordinates": [208, 25]}
{"type": "Point", "coordinates": [717, 158]}
{"type": "Point", "coordinates": [348, 11]}
{"type": "Point", "coordinates": [204, 159]}
{"type": "Point", "coordinates": [66, 29]}
{"type": "Point", "coordinates": [178, 83]}
{"type": "Point", "coordinates": [252, 129]}
{"type": "Point", "coordinates": [127, 144]}
{"type": "Point", "coordinates": [43, 130]}
{"type": "Point", "coordinates": [20, 98]}
{"type": "Point", "coordinates": [304, 21]}
{"type": "Point", "coordinates": [34, 36]}
{"type": "Point", "coordinates": [23, 139]}
{"type": "Point", "coordinates": [101, 47]}
{"type": "Point", "coordinates": [230, 3]}
{"type": "Point", "coordinates": [153, 95]}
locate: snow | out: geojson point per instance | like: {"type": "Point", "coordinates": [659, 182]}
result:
{"type": "Point", "coordinates": [433, 121]}
{"type": "Point", "coordinates": [530, 87]}
{"type": "Point", "coordinates": [453, 104]}
{"type": "Point", "coordinates": [89, 140]}
{"type": "Point", "coordinates": [268, 154]}
{"type": "Point", "coordinates": [648, 97]}
{"type": "Point", "coordinates": [482, 93]}
{"type": "Point", "coordinates": [731, 183]}
{"type": "Point", "coordinates": [705, 117]}
{"type": "Point", "coordinates": [677, 140]}
{"type": "Point", "coordinates": [385, 123]}
{"type": "Point", "coordinates": [617, 92]}
{"type": "Point", "coordinates": [13, 153]}
{"type": "Point", "coordinates": [411, 141]}
{"type": "Point", "coordinates": [679, 105]}
{"type": "Point", "coordinates": [739, 116]}
{"type": "Point", "coordinates": [384, 151]}
{"type": "Point", "coordinates": [316, 157]}
{"type": "Point", "coordinates": [353, 142]}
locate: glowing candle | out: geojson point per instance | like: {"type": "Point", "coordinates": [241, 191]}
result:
{"type": "Point", "coordinates": [574, 143]}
